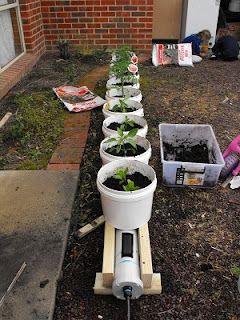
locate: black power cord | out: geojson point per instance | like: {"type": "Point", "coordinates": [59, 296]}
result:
{"type": "Point", "coordinates": [127, 291]}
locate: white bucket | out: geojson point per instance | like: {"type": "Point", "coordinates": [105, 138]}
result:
{"type": "Point", "coordinates": [107, 107]}
{"type": "Point", "coordinates": [144, 157]}
{"type": "Point", "coordinates": [113, 82]}
{"type": "Point", "coordinates": [120, 119]}
{"type": "Point", "coordinates": [130, 93]}
{"type": "Point", "coordinates": [126, 209]}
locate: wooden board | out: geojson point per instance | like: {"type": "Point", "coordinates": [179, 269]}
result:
{"type": "Point", "coordinates": [5, 119]}
{"type": "Point", "coordinates": [99, 288]}
{"type": "Point", "coordinates": [108, 255]}
{"type": "Point", "coordinates": [145, 256]}
{"type": "Point", "coordinates": [82, 232]}
{"type": "Point", "coordinates": [167, 16]}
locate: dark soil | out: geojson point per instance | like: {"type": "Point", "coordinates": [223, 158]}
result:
{"type": "Point", "coordinates": [198, 153]}
{"type": "Point", "coordinates": [126, 110]}
{"type": "Point", "coordinates": [139, 180]}
{"type": "Point", "coordinates": [194, 232]}
{"type": "Point", "coordinates": [116, 125]}
{"type": "Point", "coordinates": [127, 152]}
{"type": "Point", "coordinates": [123, 96]}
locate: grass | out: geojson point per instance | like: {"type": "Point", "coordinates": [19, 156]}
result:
{"type": "Point", "coordinates": [34, 132]}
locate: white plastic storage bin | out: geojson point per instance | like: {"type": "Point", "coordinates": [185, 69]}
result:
{"type": "Point", "coordinates": [182, 174]}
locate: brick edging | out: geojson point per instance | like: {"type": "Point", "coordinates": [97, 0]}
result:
{"type": "Point", "coordinates": [68, 155]}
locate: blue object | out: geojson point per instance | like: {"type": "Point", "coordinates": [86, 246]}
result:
{"type": "Point", "coordinates": [226, 48]}
{"type": "Point", "coordinates": [195, 40]}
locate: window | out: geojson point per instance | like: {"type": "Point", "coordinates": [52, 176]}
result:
{"type": "Point", "coordinates": [11, 35]}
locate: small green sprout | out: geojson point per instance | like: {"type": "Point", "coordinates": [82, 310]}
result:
{"type": "Point", "coordinates": [127, 123]}
{"type": "Point", "coordinates": [121, 175]}
{"type": "Point", "coordinates": [122, 139]}
{"type": "Point", "coordinates": [127, 184]}
{"type": "Point", "coordinates": [130, 186]}
{"type": "Point", "coordinates": [121, 107]}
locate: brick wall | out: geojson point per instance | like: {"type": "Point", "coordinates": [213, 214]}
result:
{"type": "Point", "coordinates": [32, 26]}
{"type": "Point", "coordinates": [98, 24]}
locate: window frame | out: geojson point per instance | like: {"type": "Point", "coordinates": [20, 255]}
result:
{"type": "Point", "coordinates": [15, 6]}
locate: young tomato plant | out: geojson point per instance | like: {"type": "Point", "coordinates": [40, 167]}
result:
{"type": "Point", "coordinates": [127, 184]}
{"type": "Point", "coordinates": [120, 68]}
{"type": "Point", "coordinates": [126, 124]}
{"type": "Point", "coordinates": [121, 107]}
{"type": "Point", "coordinates": [122, 139]}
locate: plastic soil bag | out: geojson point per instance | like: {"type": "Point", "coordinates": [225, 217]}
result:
{"type": "Point", "coordinates": [179, 54]}
{"type": "Point", "coordinates": [77, 99]}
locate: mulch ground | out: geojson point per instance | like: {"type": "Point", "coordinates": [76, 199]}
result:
{"type": "Point", "coordinates": [194, 232]}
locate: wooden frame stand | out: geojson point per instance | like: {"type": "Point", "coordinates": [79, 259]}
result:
{"type": "Point", "coordinates": [151, 281]}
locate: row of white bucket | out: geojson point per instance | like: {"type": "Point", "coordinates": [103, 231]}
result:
{"type": "Point", "coordinates": [126, 210]}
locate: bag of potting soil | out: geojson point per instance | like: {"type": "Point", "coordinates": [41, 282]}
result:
{"type": "Point", "coordinates": [179, 54]}
{"type": "Point", "coordinates": [77, 99]}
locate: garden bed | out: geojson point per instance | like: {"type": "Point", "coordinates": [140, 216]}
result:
{"type": "Point", "coordinates": [28, 140]}
{"type": "Point", "coordinates": [194, 233]}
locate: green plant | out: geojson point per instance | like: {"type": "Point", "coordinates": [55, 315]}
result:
{"type": "Point", "coordinates": [87, 54]}
{"type": "Point", "coordinates": [121, 107]}
{"type": "Point", "coordinates": [70, 72]}
{"type": "Point", "coordinates": [122, 139]}
{"type": "Point", "coordinates": [130, 186]}
{"type": "Point", "coordinates": [121, 175]}
{"type": "Point", "coordinates": [120, 68]}
{"type": "Point", "coordinates": [235, 270]}
{"type": "Point", "coordinates": [126, 124]}
{"type": "Point", "coordinates": [127, 184]}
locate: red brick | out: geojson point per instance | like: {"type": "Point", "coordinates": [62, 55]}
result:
{"type": "Point", "coordinates": [63, 166]}
{"type": "Point", "coordinates": [67, 154]}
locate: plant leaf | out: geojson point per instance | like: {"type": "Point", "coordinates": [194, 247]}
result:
{"type": "Point", "coordinates": [130, 186]}
{"type": "Point", "coordinates": [120, 131]}
{"type": "Point", "coordinates": [110, 140]}
{"type": "Point", "coordinates": [133, 143]}
{"type": "Point", "coordinates": [132, 133]}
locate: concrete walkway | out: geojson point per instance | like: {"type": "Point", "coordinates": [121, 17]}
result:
{"type": "Point", "coordinates": [35, 211]}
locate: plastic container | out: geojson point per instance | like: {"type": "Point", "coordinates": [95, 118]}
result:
{"type": "Point", "coordinates": [126, 210]}
{"type": "Point", "coordinates": [129, 93]}
{"type": "Point", "coordinates": [182, 174]}
{"type": "Point", "coordinates": [144, 157]}
{"type": "Point", "coordinates": [120, 119]}
{"type": "Point", "coordinates": [110, 104]}
{"type": "Point", "coordinates": [113, 82]}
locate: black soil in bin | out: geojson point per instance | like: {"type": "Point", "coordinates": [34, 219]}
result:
{"type": "Point", "coordinates": [116, 125]}
{"type": "Point", "coordinates": [128, 152]}
{"type": "Point", "coordinates": [139, 179]}
{"type": "Point", "coordinates": [198, 153]}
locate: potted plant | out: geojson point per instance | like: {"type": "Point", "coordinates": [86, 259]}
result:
{"type": "Point", "coordinates": [124, 52]}
{"type": "Point", "coordinates": [114, 82]}
{"type": "Point", "coordinates": [125, 145]}
{"type": "Point", "coordinates": [122, 106]}
{"type": "Point", "coordinates": [126, 123]}
{"type": "Point", "coordinates": [124, 73]}
{"type": "Point", "coordinates": [126, 188]}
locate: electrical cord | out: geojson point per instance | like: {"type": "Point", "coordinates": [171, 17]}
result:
{"type": "Point", "coordinates": [128, 309]}
{"type": "Point", "coordinates": [127, 291]}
